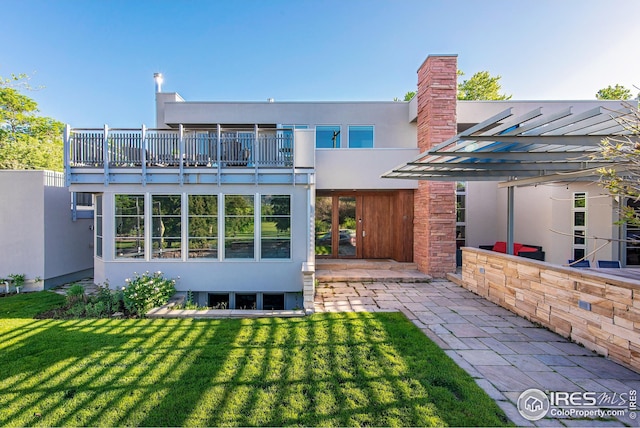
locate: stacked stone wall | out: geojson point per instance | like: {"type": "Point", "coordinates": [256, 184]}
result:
{"type": "Point", "coordinates": [597, 310]}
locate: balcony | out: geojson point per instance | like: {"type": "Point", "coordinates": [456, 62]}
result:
{"type": "Point", "coordinates": [218, 155]}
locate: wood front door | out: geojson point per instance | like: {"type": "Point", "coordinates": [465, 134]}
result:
{"type": "Point", "coordinates": [377, 231]}
{"type": "Point", "coordinates": [370, 225]}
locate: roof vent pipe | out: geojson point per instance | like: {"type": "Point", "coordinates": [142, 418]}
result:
{"type": "Point", "coordinates": [158, 79]}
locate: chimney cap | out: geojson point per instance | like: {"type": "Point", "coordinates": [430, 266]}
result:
{"type": "Point", "coordinates": [158, 79]}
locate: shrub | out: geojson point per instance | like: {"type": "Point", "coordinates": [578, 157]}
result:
{"type": "Point", "coordinates": [103, 295]}
{"type": "Point", "coordinates": [75, 294]}
{"type": "Point", "coordinates": [96, 310]}
{"type": "Point", "coordinates": [146, 291]}
{"type": "Point", "coordinates": [117, 301]}
{"type": "Point", "coordinates": [77, 310]}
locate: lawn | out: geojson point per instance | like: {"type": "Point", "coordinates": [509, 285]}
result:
{"type": "Point", "coordinates": [340, 369]}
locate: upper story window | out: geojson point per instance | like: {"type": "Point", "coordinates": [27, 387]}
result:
{"type": "Point", "coordinates": [360, 136]}
{"type": "Point", "coordinates": [293, 126]}
{"type": "Point", "coordinates": [327, 137]}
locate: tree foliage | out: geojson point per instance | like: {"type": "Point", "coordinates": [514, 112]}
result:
{"type": "Point", "coordinates": [623, 179]}
{"type": "Point", "coordinates": [481, 86]}
{"type": "Point", "coordinates": [27, 140]}
{"type": "Point", "coordinates": [617, 92]}
{"type": "Point", "coordinates": [409, 95]}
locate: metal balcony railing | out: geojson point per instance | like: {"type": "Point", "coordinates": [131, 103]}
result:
{"type": "Point", "coordinates": [218, 148]}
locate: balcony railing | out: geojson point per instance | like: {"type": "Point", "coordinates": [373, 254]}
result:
{"type": "Point", "coordinates": [216, 148]}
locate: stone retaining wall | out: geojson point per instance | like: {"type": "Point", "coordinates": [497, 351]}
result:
{"type": "Point", "coordinates": [599, 311]}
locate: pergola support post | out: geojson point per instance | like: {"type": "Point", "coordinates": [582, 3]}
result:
{"type": "Point", "coordinates": [510, 218]}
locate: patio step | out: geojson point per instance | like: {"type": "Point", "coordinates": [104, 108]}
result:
{"type": "Point", "coordinates": [346, 264]}
{"type": "Point", "coordinates": [330, 270]}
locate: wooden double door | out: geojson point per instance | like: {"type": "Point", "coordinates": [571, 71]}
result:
{"type": "Point", "coordinates": [368, 225]}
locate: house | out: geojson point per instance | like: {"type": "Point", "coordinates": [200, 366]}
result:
{"type": "Point", "coordinates": [238, 199]}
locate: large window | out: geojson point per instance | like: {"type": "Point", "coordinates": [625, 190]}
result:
{"type": "Point", "coordinates": [276, 226]}
{"type": "Point", "coordinates": [239, 226]}
{"type": "Point", "coordinates": [360, 137]}
{"type": "Point", "coordinates": [167, 226]}
{"type": "Point", "coordinates": [129, 222]}
{"type": "Point", "coordinates": [203, 226]}
{"type": "Point", "coordinates": [98, 226]}
{"type": "Point", "coordinates": [328, 137]}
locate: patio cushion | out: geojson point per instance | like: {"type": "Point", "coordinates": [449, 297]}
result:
{"type": "Point", "coordinates": [500, 247]}
{"type": "Point", "coordinates": [525, 249]}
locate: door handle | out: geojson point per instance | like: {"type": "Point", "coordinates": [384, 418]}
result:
{"type": "Point", "coordinates": [364, 233]}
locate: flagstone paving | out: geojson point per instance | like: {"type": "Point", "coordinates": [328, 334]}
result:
{"type": "Point", "coordinates": [506, 354]}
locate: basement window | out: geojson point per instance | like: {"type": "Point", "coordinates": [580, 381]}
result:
{"type": "Point", "coordinates": [273, 302]}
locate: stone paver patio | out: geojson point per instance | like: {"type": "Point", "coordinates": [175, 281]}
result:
{"type": "Point", "coordinates": [504, 353]}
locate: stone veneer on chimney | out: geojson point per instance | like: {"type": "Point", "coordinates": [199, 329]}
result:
{"type": "Point", "coordinates": [434, 229]}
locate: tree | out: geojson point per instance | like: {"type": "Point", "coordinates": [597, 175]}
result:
{"type": "Point", "coordinates": [623, 151]}
{"type": "Point", "coordinates": [407, 96]}
{"type": "Point", "coordinates": [481, 86]}
{"type": "Point", "coordinates": [27, 141]}
{"type": "Point", "coordinates": [617, 92]}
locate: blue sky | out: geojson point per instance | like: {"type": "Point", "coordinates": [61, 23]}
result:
{"type": "Point", "coordinates": [96, 59]}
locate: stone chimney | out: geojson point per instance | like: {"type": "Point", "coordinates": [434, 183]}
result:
{"type": "Point", "coordinates": [434, 243]}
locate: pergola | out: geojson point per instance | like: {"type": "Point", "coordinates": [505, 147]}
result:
{"type": "Point", "coordinates": [534, 147]}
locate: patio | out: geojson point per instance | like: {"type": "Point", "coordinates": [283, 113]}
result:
{"type": "Point", "coordinates": [505, 353]}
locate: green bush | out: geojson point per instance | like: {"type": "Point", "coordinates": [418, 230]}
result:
{"type": "Point", "coordinates": [77, 310]}
{"type": "Point", "coordinates": [76, 294]}
{"type": "Point", "coordinates": [146, 291]}
{"type": "Point", "coordinates": [96, 310]}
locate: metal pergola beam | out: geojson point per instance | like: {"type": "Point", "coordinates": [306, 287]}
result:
{"type": "Point", "coordinates": [561, 140]}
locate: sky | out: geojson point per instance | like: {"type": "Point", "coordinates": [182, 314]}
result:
{"type": "Point", "coordinates": [93, 60]}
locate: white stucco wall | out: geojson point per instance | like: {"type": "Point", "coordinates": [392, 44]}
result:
{"type": "Point", "coordinates": [22, 223]}
{"type": "Point", "coordinates": [392, 128]}
{"type": "Point", "coordinates": [38, 237]}
{"type": "Point", "coordinates": [361, 169]}
{"type": "Point", "coordinates": [395, 140]}
{"type": "Point", "coordinates": [68, 243]}
{"type": "Point", "coordinates": [542, 216]}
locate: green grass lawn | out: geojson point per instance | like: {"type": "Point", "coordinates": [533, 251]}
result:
{"type": "Point", "coordinates": [344, 369]}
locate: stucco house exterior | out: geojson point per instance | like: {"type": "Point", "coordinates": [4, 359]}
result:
{"type": "Point", "coordinates": [46, 235]}
{"type": "Point", "coordinates": [239, 199]}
